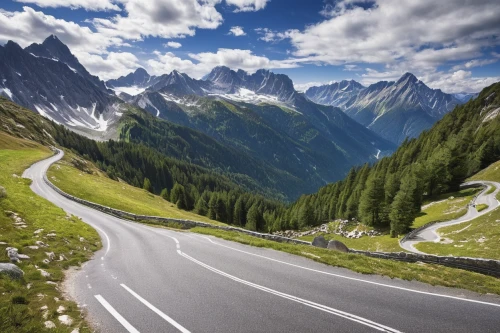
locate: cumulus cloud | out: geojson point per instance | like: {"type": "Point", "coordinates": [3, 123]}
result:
{"type": "Point", "coordinates": [31, 26]}
{"type": "Point", "coordinates": [160, 18]}
{"type": "Point", "coordinates": [391, 31]}
{"type": "Point", "coordinates": [173, 45]}
{"type": "Point", "coordinates": [272, 36]}
{"type": "Point", "coordinates": [200, 64]}
{"type": "Point", "coordinates": [237, 31]}
{"type": "Point", "coordinates": [111, 66]}
{"type": "Point", "coordinates": [458, 81]}
{"type": "Point", "coordinates": [475, 63]}
{"type": "Point", "coordinates": [94, 5]}
{"type": "Point", "coordinates": [248, 5]}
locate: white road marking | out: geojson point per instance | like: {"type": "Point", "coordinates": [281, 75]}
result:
{"type": "Point", "coordinates": [115, 314]}
{"type": "Point", "coordinates": [356, 279]}
{"type": "Point", "coordinates": [156, 310]}
{"type": "Point", "coordinates": [108, 242]}
{"type": "Point", "coordinates": [321, 307]}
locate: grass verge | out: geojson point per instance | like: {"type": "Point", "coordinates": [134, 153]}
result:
{"type": "Point", "coordinates": [427, 273]}
{"type": "Point", "coordinates": [90, 184]}
{"type": "Point", "coordinates": [478, 238]}
{"type": "Point", "coordinates": [481, 207]}
{"type": "Point", "coordinates": [21, 301]}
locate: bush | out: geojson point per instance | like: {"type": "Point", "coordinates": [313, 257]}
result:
{"type": "Point", "coordinates": [3, 192]}
{"type": "Point", "coordinates": [19, 300]}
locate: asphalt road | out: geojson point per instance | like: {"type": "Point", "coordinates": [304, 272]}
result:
{"type": "Point", "coordinates": [430, 234]}
{"type": "Point", "coordinates": [148, 279]}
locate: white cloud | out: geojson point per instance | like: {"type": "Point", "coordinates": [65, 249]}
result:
{"type": "Point", "coordinates": [248, 5]}
{"type": "Point", "coordinates": [112, 66]}
{"type": "Point", "coordinates": [160, 18]}
{"type": "Point", "coordinates": [459, 81]}
{"type": "Point", "coordinates": [173, 45]}
{"type": "Point", "coordinates": [425, 32]}
{"type": "Point", "coordinates": [352, 68]}
{"type": "Point", "coordinates": [475, 63]}
{"type": "Point", "coordinates": [237, 31]}
{"type": "Point", "coordinates": [271, 36]}
{"type": "Point", "coordinates": [200, 64]}
{"type": "Point", "coordinates": [95, 5]}
{"type": "Point", "coordinates": [30, 26]}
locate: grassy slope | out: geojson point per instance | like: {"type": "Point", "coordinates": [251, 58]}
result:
{"type": "Point", "coordinates": [444, 209]}
{"type": "Point", "coordinates": [98, 188]}
{"type": "Point", "coordinates": [432, 274]}
{"type": "Point", "coordinates": [15, 156]}
{"type": "Point", "coordinates": [477, 238]}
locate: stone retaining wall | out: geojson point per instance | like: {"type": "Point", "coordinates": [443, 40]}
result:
{"type": "Point", "coordinates": [484, 266]}
{"type": "Point", "coordinates": [490, 267]}
{"type": "Point", "coordinates": [185, 224]}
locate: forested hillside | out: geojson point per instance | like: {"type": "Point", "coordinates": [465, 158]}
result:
{"type": "Point", "coordinates": [390, 192]}
{"type": "Point", "coordinates": [189, 186]}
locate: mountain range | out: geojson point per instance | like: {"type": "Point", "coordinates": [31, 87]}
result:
{"type": "Point", "coordinates": [394, 110]}
{"type": "Point", "coordinates": [261, 129]}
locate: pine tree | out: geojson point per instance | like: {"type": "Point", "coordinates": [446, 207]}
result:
{"type": "Point", "coordinates": [403, 210]}
{"type": "Point", "coordinates": [147, 185]}
{"type": "Point", "coordinates": [253, 217]}
{"type": "Point", "coordinates": [212, 206]}
{"type": "Point", "coordinates": [306, 216]}
{"type": "Point", "coordinates": [164, 194]}
{"type": "Point", "coordinates": [372, 201]}
{"type": "Point", "coordinates": [239, 216]}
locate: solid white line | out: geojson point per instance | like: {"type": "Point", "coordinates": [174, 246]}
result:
{"type": "Point", "coordinates": [115, 314]}
{"type": "Point", "coordinates": [317, 306]}
{"type": "Point", "coordinates": [156, 310]}
{"type": "Point", "coordinates": [321, 307]}
{"type": "Point", "coordinates": [108, 242]}
{"type": "Point", "coordinates": [356, 279]}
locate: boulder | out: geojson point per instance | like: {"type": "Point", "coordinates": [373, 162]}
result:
{"type": "Point", "coordinates": [337, 246]}
{"type": "Point", "coordinates": [3, 192]}
{"type": "Point", "coordinates": [320, 241]}
{"type": "Point", "coordinates": [12, 254]}
{"type": "Point", "coordinates": [11, 271]}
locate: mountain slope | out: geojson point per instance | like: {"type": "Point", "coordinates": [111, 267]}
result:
{"type": "Point", "coordinates": [61, 92]}
{"type": "Point", "coordinates": [314, 143]}
{"type": "Point", "coordinates": [335, 94]}
{"type": "Point", "coordinates": [390, 193]}
{"type": "Point", "coordinates": [394, 110]}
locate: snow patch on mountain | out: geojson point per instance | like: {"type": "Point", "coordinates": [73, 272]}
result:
{"type": "Point", "coordinates": [133, 90]}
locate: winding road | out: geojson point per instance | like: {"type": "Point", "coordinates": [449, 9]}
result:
{"type": "Point", "coordinates": [148, 279]}
{"type": "Point", "coordinates": [430, 234]}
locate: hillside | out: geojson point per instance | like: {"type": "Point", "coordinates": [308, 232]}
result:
{"type": "Point", "coordinates": [391, 192]}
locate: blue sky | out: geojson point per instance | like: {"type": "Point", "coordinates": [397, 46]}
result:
{"type": "Point", "coordinates": [453, 45]}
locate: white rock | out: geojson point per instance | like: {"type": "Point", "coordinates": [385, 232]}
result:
{"type": "Point", "coordinates": [49, 324]}
{"type": "Point", "coordinates": [36, 232]}
{"type": "Point", "coordinates": [66, 320]}
{"type": "Point", "coordinates": [43, 308]}
{"type": "Point", "coordinates": [50, 255]}
{"type": "Point", "coordinates": [51, 235]}
{"type": "Point", "coordinates": [33, 247]}
{"type": "Point", "coordinates": [44, 272]}
{"type": "Point", "coordinates": [61, 309]}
